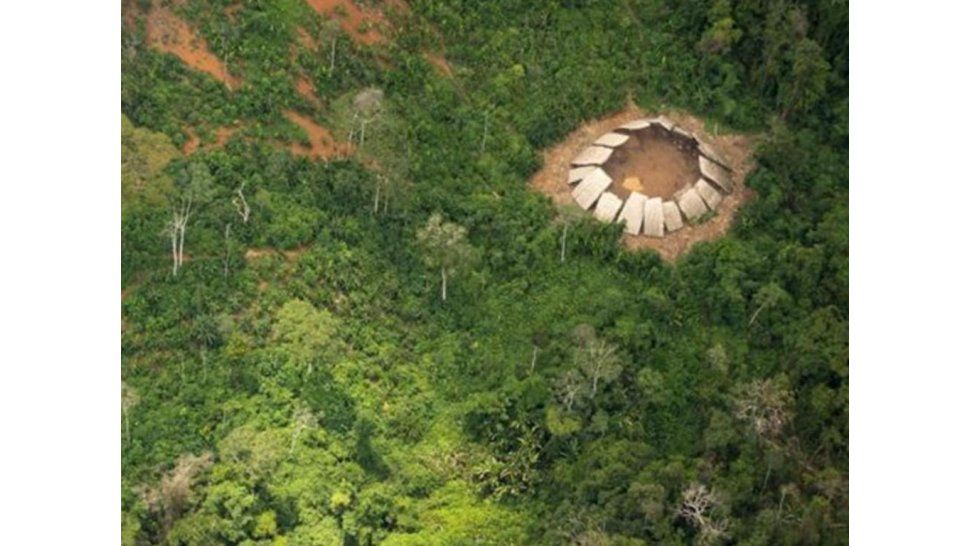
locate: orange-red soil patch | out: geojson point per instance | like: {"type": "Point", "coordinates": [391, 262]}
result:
{"type": "Point", "coordinates": [735, 149]}
{"type": "Point", "coordinates": [365, 26]}
{"type": "Point", "coordinates": [305, 87]}
{"type": "Point", "coordinates": [322, 143]}
{"type": "Point", "coordinates": [192, 143]}
{"type": "Point", "coordinates": [223, 134]}
{"type": "Point", "coordinates": [168, 33]}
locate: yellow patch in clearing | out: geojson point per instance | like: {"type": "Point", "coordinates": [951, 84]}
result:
{"type": "Point", "coordinates": [632, 183]}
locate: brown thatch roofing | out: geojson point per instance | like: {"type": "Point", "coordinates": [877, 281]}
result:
{"type": "Point", "coordinates": [607, 207]}
{"type": "Point", "coordinates": [653, 217]}
{"type": "Point", "coordinates": [587, 191]}
{"type": "Point", "coordinates": [708, 193]}
{"type": "Point", "coordinates": [612, 140]}
{"type": "Point", "coordinates": [715, 173]}
{"type": "Point", "coordinates": [691, 204]}
{"type": "Point", "coordinates": [577, 174]}
{"type": "Point", "coordinates": [592, 155]}
{"type": "Point", "coordinates": [672, 219]}
{"type": "Point", "coordinates": [632, 213]}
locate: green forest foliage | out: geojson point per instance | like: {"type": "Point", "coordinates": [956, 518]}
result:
{"type": "Point", "coordinates": [600, 397]}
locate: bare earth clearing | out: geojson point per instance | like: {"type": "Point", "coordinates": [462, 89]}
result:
{"type": "Point", "coordinates": [366, 26]}
{"type": "Point", "coordinates": [658, 164]}
{"type": "Point", "coordinates": [167, 32]}
{"type": "Point", "coordinates": [735, 149]}
{"type": "Point", "coordinates": [322, 143]}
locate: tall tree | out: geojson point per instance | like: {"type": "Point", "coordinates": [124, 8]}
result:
{"type": "Point", "coordinates": [445, 248]}
{"type": "Point", "coordinates": [568, 215]}
{"type": "Point", "coordinates": [129, 399]}
{"type": "Point", "coordinates": [196, 189]}
{"type": "Point", "coordinates": [596, 358]}
{"type": "Point", "coordinates": [307, 333]}
{"type": "Point", "coordinates": [699, 507]}
{"type": "Point", "coordinates": [368, 107]}
{"type": "Point", "coordinates": [765, 406]}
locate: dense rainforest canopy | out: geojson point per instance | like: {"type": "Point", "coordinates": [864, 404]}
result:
{"type": "Point", "coordinates": [293, 373]}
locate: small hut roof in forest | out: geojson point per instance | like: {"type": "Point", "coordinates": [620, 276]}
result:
{"type": "Point", "coordinates": [653, 217]}
{"type": "Point", "coordinates": [632, 212]}
{"type": "Point", "coordinates": [672, 219]}
{"type": "Point", "coordinates": [591, 187]}
{"type": "Point", "coordinates": [577, 174]}
{"type": "Point", "coordinates": [593, 155]}
{"type": "Point", "coordinates": [607, 207]}
{"type": "Point", "coordinates": [691, 204]}
{"type": "Point", "coordinates": [612, 140]}
{"type": "Point", "coordinates": [708, 193]}
{"type": "Point", "coordinates": [715, 173]}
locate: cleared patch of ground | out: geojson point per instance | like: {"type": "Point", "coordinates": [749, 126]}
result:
{"type": "Point", "coordinates": [735, 149]}
{"type": "Point", "coordinates": [306, 88]}
{"type": "Point", "coordinates": [167, 32]}
{"type": "Point", "coordinates": [193, 143]}
{"type": "Point", "coordinates": [223, 134]}
{"type": "Point", "coordinates": [653, 164]}
{"type": "Point", "coordinates": [364, 25]}
{"type": "Point", "coordinates": [322, 143]}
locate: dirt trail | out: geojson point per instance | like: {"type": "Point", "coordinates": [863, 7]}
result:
{"type": "Point", "coordinates": [366, 26]}
{"type": "Point", "coordinates": [440, 63]}
{"type": "Point", "coordinates": [735, 149]}
{"type": "Point", "coordinates": [322, 143]}
{"type": "Point", "coordinates": [168, 33]}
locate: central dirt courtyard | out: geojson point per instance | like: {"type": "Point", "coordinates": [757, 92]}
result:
{"type": "Point", "coordinates": [652, 163]}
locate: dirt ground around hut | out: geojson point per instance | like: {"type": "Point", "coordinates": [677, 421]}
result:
{"type": "Point", "coordinates": [652, 164]}
{"type": "Point", "coordinates": [167, 32]}
{"type": "Point", "coordinates": [735, 149]}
